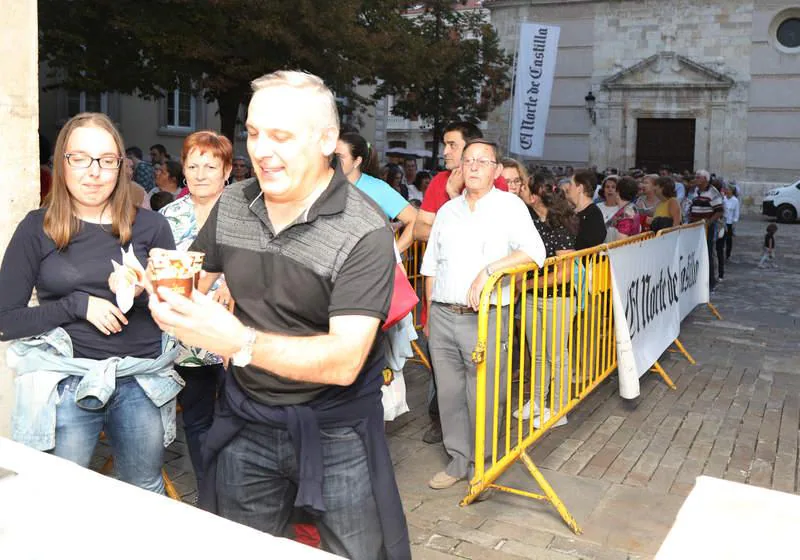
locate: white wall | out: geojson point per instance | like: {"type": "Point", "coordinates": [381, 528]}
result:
{"type": "Point", "coordinates": [19, 144]}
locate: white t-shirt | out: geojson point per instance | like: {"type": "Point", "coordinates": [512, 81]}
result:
{"type": "Point", "coordinates": [463, 242]}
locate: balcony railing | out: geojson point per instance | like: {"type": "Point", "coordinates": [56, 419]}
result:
{"type": "Point", "coordinates": [398, 123]}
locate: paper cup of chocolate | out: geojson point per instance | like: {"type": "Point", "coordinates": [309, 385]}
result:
{"type": "Point", "coordinates": [178, 271]}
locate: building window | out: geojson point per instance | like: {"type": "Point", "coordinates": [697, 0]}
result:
{"type": "Point", "coordinates": [82, 102]}
{"type": "Point", "coordinates": [397, 143]}
{"type": "Point", "coordinates": [788, 33]}
{"type": "Point", "coordinates": [181, 110]}
{"type": "Point", "coordinates": [784, 31]}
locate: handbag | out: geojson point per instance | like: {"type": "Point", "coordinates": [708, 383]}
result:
{"type": "Point", "coordinates": [404, 298]}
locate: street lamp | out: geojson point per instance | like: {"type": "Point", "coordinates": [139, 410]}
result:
{"type": "Point", "coordinates": [590, 99]}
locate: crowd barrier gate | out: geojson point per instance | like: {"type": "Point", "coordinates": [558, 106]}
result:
{"type": "Point", "coordinates": [688, 226]}
{"type": "Point", "coordinates": [565, 346]}
{"type": "Point", "coordinates": [412, 263]}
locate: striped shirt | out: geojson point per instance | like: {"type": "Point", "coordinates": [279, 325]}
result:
{"type": "Point", "coordinates": [705, 204]}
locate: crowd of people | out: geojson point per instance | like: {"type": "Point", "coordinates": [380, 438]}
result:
{"type": "Point", "coordinates": [278, 358]}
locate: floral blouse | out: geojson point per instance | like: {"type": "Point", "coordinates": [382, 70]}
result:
{"type": "Point", "coordinates": [183, 223]}
{"type": "Point", "coordinates": [626, 221]}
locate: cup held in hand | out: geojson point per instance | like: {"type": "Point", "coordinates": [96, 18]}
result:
{"type": "Point", "coordinates": [178, 271]}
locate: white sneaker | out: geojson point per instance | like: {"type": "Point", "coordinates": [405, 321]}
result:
{"type": "Point", "coordinates": [526, 411]}
{"type": "Point", "coordinates": [537, 423]}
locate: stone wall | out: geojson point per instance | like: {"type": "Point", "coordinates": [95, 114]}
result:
{"type": "Point", "coordinates": [712, 33]}
{"type": "Point", "coordinates": [750, 132]}
{"type": "Point", "coordinates": [568, 125]}
{"type": "Point", "coordinates": [19, 146]}
{"type": "Point", "coordinates": [773, 119]}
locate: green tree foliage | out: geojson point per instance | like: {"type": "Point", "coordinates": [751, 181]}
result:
{"type": "Point", "coordinates": [453, 68]}
{"type": "Point", "coordinates": [217, 46]}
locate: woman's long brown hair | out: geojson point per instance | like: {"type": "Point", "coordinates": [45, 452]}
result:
{"type": "Point", "coordinates": [559, 212]}
{"type": "Point", "coordinates": [60, 222]}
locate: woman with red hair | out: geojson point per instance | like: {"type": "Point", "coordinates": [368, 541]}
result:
{"type": "Point", "coordinates": [207, 159]}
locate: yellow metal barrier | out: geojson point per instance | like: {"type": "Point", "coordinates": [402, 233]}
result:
{"type": "Point", "coordinates": [412, 263]}
{"type": "Point", "coordinates": [567, 348]}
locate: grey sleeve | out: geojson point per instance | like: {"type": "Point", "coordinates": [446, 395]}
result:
{"type": "Point", "coordinates": [365, 282]}
{"type": "Point", "coordinates": [206, 242]}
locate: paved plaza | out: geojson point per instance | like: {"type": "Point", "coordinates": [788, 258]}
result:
{"type": "Point", "coordinates": [624, 471]}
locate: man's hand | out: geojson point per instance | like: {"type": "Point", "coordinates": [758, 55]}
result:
{"type": "Point", "coordinates": [198, 321]}
{"type": "Point", "coordinates": [474, 295]}
{"type": "Point", "coordinates": [222, 295]}
{"type": "Point", "coordinates": [455, 183]}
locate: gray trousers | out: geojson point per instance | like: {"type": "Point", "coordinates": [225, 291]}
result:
{"type": "Point", "coordinates": [551, 349]}
{"type": "Point", "coordinates": [452, 339]}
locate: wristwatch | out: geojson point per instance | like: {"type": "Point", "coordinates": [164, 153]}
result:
{"type": "Point", "coordinates": [245, 354]}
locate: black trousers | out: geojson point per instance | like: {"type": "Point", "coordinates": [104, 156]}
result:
{"type": "Point", "coordinates": [712, 276]}
{"type": "Point", "coordinates": [720, 246]}
{"type": "Point", "coordinates": [197, 400]}
{"type": "Point", "coordinates": [728, 240]}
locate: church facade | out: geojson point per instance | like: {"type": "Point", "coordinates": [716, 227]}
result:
{"type": "Point", "coordinates": [700, 84]}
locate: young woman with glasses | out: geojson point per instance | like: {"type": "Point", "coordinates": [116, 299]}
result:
{"type": "Point", "coordinates": [87, 366]}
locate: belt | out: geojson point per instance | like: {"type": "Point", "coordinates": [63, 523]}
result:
{"type": "Point", "coordinates": [459, 309]}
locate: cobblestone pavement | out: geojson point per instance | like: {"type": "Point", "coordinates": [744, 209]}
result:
{"type": "Point", "coordinates": [624, 471]}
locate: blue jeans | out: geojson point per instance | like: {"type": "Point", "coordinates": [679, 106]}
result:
{"type": "Point", "coordinates": [131, 421]}
{"type": "Point", "coordinates": [197, 400]}
{"type": "Point", "coordinates": [257, 484]}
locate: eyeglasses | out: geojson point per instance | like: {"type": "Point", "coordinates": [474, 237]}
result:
{"type": "Point", "coordinates": [483, 162]}
{"type": "Point", "coordinates": [83, 161]}
{"type": "Point", "coordinates": [516, 182]}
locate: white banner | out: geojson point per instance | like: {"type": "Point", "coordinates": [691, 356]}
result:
{"type": "Point", "coordinates": [533, 84]}
{"type": "Point", "coordinates": [656, 283]}
{"type": "Point", "coordinates": [693, 264]}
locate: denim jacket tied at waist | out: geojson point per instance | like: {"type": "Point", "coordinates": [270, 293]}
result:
{"type": "Point", "coordinates": [42, 362]}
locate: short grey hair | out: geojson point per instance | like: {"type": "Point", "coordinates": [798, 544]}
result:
{"type": "Point", "coordinates": [703, 173]}
{"type": "Point", "coordinates": [327, 110]}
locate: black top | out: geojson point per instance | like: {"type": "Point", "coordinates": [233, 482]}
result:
{"type": "Point", "coordinates": [337, 260]}
{"type": "Point", "coordinates": [769, 241]}
{"type": "Point", "coordinates": [555, 238]}
{"type": "Point", "coordinates": [591, 228]}
{"type": "Point", "coordinates": [64, 280]}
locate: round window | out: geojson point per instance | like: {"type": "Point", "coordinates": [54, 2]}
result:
{"type": "Point", "coordinates": [784, 31]}
{"type": "Point", "coordinates": [788, 33]}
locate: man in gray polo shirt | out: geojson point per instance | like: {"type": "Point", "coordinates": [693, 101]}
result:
{"type": "Point", "coordinates": [309, 260]}
{"type": "Point", "coordinates": [475, 234]}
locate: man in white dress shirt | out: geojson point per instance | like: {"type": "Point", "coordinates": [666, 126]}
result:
{"type": "Point", "coordinates": [475, 234]}
{"type": "Point", "coordinates": [731, 215]}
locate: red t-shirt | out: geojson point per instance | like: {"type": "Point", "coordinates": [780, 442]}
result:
{"type": "Point", "coordinates": [436, 193]}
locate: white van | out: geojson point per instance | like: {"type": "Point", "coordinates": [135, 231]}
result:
{"type": "Point", "coordinates": [783, 203]}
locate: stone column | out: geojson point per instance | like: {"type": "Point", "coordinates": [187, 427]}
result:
{"type": "Point", "coordinates": [19, 144]}
{"type": "Point", "coordinates": [717, 132]}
